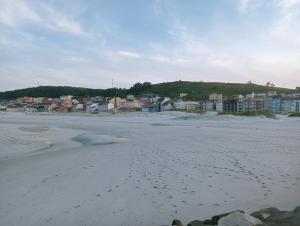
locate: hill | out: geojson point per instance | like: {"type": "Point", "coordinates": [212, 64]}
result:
{"type": "Point", "coordinates": [195, 90]}
{"type": "Point", "coordinates": [201, 90]}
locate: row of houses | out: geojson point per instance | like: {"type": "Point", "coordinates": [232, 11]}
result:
{"type": "Point", "coordinates": [277, 104]}
{"type": "Point", "coordinates": [270, 102]}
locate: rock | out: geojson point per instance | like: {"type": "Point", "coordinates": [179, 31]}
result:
{"type": "Point", "coordinates": [195, 223]}
{"type": "Point", "coordinates": [281, 217]}
{"type": "Point", "coordinates": [265, 213]}
{"type": "Point", "coordinates": [215, 219]}
{"type": "Point", "coordinates": [239, 219]}
{"type": "Point", "coordinates": [275, 217]}
{"type": "Point", "coordinates": [177, 222]}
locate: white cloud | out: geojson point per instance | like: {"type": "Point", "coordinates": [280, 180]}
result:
{"type": "Point", "coordinates": [13, 12]}
{"type": "Point", "coordinates": [286, 4]}
{"type": "Point", "coordinates": [243, 5]}
{"type": "Point", "coordinates": [56, 20]}
{"type": "Point", "coordinates": [285, 31]}
{"type": "Point", "coordinates": [128, 54]}
{"type": "Point", "coordinates": [18, 12]}
{"type": "Point", "coordinates": [77, 60]}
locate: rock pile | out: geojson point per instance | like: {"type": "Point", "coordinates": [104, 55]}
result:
{"type": "Point", "coordinates": [264, 217]}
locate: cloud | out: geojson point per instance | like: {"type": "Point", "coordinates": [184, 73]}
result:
{"type": "Point", "coordinates": [58, 21]}
{"type": "Point", "coordinates": [286, 4]}
{"type": "Point", "coordinates": [243, 5]}
{"type": "Point", "coordinates": [16, 13]}
{"type": "Point", "coordinates": [76, 60]}
{"type": "Point", "coordinates": [123, 55]}
{"type": "Point", "coordinates": [285, 31]}
{"type": "Point", "coordinates": [128, 54]}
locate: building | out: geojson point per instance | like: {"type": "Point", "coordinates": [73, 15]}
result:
{"type": "Point", "coordinates": [118, 102]}
{"type": "Point", "coordinates": [187, 105]}
{"type": "Point", "coordinates": [219, 106]}
{"type": "Point", "coordinates": [255, 104]}
{"type": "Point", "coordinates": [215, 97]}
{"type": "Point", "coordinates": [25, 100]}
{"type": "Point", "coordinates": [94, 107]}
{"type": "Point", "coordinates": [106, 106]}
{"type": "Point", "coordinates": [166, 104]}
{"type": "Point", "coordinates": [290, 104]}
{"type": "Point", "coordinates": [207, 105]}
{"type": "Point", "coordinates": [236, 103]}
{"type": "Point", "coordinates": [148, 107]}
{"type": "Point", "coordinates": [42, 108]}
{"type": "Point", "coordinates": [272, 104]}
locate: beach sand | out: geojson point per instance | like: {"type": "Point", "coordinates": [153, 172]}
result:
{"type": "Point", "coordinates": [143, 169]}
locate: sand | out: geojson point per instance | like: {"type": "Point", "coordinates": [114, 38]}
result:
{"type": "Point", "coordinates": [143, 169]}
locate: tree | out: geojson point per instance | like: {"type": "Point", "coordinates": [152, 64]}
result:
{"type": "Point", "coordinates": [269, 84]}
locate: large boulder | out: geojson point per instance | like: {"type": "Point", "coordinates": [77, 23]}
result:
{"type": "Point", "coordinates": [239, 219]}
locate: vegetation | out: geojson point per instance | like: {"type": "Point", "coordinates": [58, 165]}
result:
{"type": "Point", "coordinates": [201, 90]}
{"type": "Point", "coordinates": [250, 113]}
{"type": "Point", "coordinates": [295, 114]}
{"type": "Point", "coordinates": [195, 90]}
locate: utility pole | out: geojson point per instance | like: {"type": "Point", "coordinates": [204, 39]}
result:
{"type": "Point", "coordinates": [112, 83]}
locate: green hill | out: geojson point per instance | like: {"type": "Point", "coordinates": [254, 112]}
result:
{"type": "Point", "coordinates": [195, 90]}
{"type": "Point", "coordinates": [201, 90]}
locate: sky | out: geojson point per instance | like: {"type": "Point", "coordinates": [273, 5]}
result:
{"type": "Point", "coordinates": [90, 43]}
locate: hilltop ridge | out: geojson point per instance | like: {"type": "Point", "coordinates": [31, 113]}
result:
{"type": "Point", "coordinates": [194, 90]}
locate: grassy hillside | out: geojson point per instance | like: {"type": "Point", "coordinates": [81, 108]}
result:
{"type": "Point", "coordinates": [201, 90]}
{"type": "Point", "coordinates": [195, 90]}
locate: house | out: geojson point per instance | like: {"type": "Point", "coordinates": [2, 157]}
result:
{"type": "Point", "coordinates": [67, 105]}
{"type": "Point", "coordinates": [55, 106]}
{"type": "Point", "coordinates": [133, 104]}
{"type": "Point", "coordinates": [106, 106]}
{"type": "Point", "coordinates": [24, 100]}
{"type": "Point", "coordinates": [118, 102]}
{"type": "Point", "coordinates": [30, 108]}
{"type": "Point", "coordinates": [78, 107]}
{"type": "Point", "coordinates": [66, 98]}
{"type": "Point", "coordinates": [148, 107]}
{"type": "Point", "coordinates": [42, 108]}
{"type": "Point", "coordinates": [166, 104]}
{"type": "Point", "coordinates": [92, 108]}
{"type": "Point", "coordinates": [3, 107]}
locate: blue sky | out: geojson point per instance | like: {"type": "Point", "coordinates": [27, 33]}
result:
{"type": "Point", "coordinates": [90, 42]}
